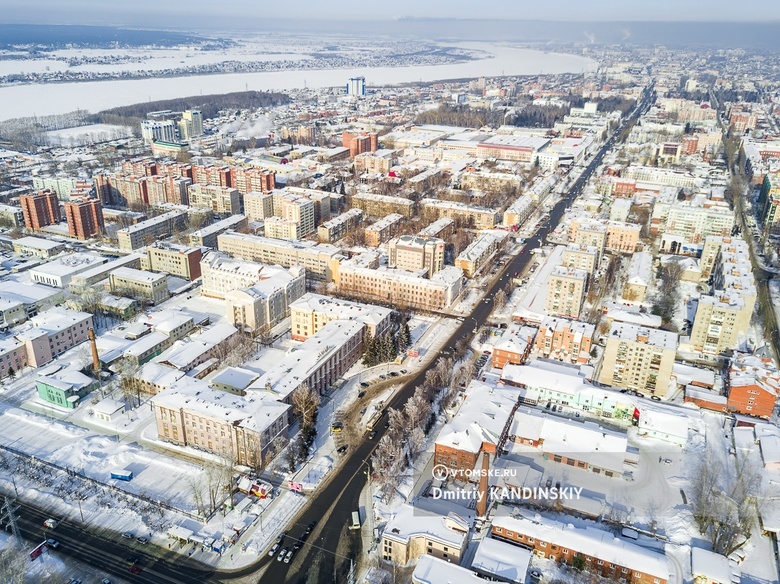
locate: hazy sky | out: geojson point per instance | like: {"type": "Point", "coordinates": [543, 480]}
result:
{"type": "Point", "coordinates": [155, 13]}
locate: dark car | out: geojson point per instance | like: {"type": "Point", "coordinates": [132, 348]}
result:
{"type": "Point", "coordinates": [404, 372]}
{"type": "Point", "coordinates": [393, 374]}
{"type": "Point", "coordinates": [372, 435]}
{"type": "Point", "coordinates": [361, 394]}
{"type": "Point", "coordinates": [143, 540]}
{"type": "Point", "coordinates": [342, 449]}
{"type": "Point", "coordinates": [135, 569]}
{"type": "Point", "coordinates": [364, 384]}
{"type": "Point", "coordinates": [383, 376]}
{"type": "Point", "coordinates": [132, 560]}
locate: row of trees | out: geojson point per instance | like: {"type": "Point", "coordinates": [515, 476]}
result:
{"type": "Point", "coordinates": [409, 426]}
{"type": "Point", "coordinates": [385, 348]}
{"type": "Point", "coordinates": [668, 298]}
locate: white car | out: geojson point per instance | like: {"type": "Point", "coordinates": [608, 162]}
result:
{"type": "Point", "coordinates": [273, 549]}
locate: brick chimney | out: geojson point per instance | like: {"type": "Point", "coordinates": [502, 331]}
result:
{"type": "Point", "coordinates": [484, 483]}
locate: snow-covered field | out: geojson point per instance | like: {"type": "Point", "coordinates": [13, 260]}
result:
{"type": "Point", "coordinates": [91, 134]}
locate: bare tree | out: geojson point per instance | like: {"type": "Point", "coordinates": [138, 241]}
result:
{"type": "Point", "coordinates": [12, 565]}
{"type": "Point", "coordinates": [305, 401]}
{"type": "Point", "coordinates": [499, 300]}
{"type": "Point", "coordinates": [725, 504]}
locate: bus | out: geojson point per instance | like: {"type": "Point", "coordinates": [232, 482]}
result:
{"type": "Point", "coordinates": [374, 420]}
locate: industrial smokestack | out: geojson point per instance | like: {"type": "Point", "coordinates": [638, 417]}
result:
{"type": "Point", "coordinates": [95, 359]}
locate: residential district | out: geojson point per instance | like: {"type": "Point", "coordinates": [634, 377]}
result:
{"type": "Point", "coordinates": [506, 329]}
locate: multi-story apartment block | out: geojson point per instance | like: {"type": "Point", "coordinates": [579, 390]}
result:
{"type": "Point", "coordinates": [375, 205]}
{"type": "Point", "coordinates": [382, 230]}
{"type": "Point", "coordinates": [415, 253]}
{"type": "Point", "coordinates": [258, 206]}
{"type": "Point", "coordinates": [400, 287]}
{"type": "Point", "coordinates": [265, 303]}
{"type": "Point", "coordinates": [208, 236]}
{"type": "Point", "coordinates": [590, 235]}
{"type": "Point", "coordinates": [159, 131]}
{"type": "Point", "coordinates": [360, 143]}
{"type": "Point", "coordinates": [40, 209]}
{"type": "Point", "coordinates": [638, 358]}
{"type": "Point", "coordinates": [53, 332]}
{"type": "Point", "coordinates": [320, 260]}
{"type": "Point", "coordinates": [84, 217]}
{"type": "Point", "coordinates": [565, 340]}
{"type": "Point", "coordinates": [565, 291]}
{"type": "Point", "coordinates": [190, 413]}
{"type": "Point", "coordinates": [221, 274]}
{"type": "Point", "coordinates": [769, 203]}
{"type": "Point", "coordinates": [413, 532]}
{"type": "Point", "coordinates": [478, 217]}
{"type": "Point", "coordinates": [380, 161]}
{"type": "Point", "coordinates": [688, 223]}
{"type": "Point", "coordinates": [252, 180]}
{"type": "Point", "coordinates": [661, 176]}
{"type": "Point", "coordinates": [147, 232]}
{"type": "Point", "coordinates": [313, 311]}
{"type": "Point", "coordinates": [220, 200]}
{"type": "Point", "coordinates": [340, 225]}
{"type": "Point", "coordinates": [322, 202]}
{"type": "Point", "coordinates": [177, 260]}
{"type": "Point", "coordinates": [600, 551]}
{"type": "Point", "coordinates": [582, 257]}
{"type": "Point", "coordinates": [191, 125]}
{"type": "Point", "coordinates": [477, 255]}
{"type": "Point", "coordinates": [317, 362]}
{"type": "Point", "coordinates": [297, 209]}
{"type": "Point", "coordinates": [139, 284]}
{"type": "Point", "coordinates": [167, 189]}
{"type": "Point", "coordinates": [519, 211]}
{"type": "Point", "coordinates": [725, 314]}
{"type": "Point", "coordinates": [278, 228]}
{"type": "Point", "coordinates": [61, 185]}
{"type": "Point", "coordinates": [442, 228]}
{"type": "Point", "coordinates": [753, 386]}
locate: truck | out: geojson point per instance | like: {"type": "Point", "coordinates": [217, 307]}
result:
{"type": "Point", "coordinates": [50, 523]}
{"type": "Point", "coordinates": [355, 520]}
{"type": "Point", "coordinates": [374, 420]}
{"type": "Point", "coordinates": [122, 475]}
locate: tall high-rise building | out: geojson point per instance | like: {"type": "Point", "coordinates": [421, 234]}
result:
{"type": "Point", "coordinates": [84, 217]}
{"type": "Point", "coordinates": [40, 209]}
{"type": "Point", "coordinates": [158, 130]}
{"type": "Point", "coordinates": [356, 86]}
{"type": "Point", "coordinates": [191, 124]}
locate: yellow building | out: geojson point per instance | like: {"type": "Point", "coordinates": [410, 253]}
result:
{"type": "Point", "coordinates": [565, 291]}
{"type": "Point", "coordinates": [139, 284]}
{"type": "Point", "coordinates": [413, 532]}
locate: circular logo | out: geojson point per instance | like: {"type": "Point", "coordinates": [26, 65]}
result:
{"type": "Point", "coordinates": [440, 472]}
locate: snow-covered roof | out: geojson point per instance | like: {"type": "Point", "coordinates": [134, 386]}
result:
{"type": "Point", "coordinates": [235, 377]}
{"type": "Point", "coordinates": [432, 570]}
{"type": "Point", "coordinates": [410, 521]}
{"type": "Point", "coordinates": [590, 541]}
{"type": "Point", "coordinates": [481, 418]}
{"type": "Point", "coordinates": [648, 336]}
{"type": "Point", "coordinates": [634, 317]}
{"type": "Point", "coordinates": [507, 562]}
{"type": "Point", "coordinates": [108, 406]}
{"type": "Point", "coordinates": [713, 567]}
{"type": "Point", "coordinates": [664, 422]}
{"type": "Point", "coordinates": [770, 450]}
{"type": "Point", "coordinates": [337, 308]}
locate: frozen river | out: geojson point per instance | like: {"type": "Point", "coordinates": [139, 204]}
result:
{"type": "Point", "coordinates": [42, 99]}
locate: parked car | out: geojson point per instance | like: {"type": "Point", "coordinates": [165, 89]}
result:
{"type": "Point", "coordinates": [364, 384]}
{"type": "Point", "coordinates": [74, 581]}
{"type": "Point", "coordinates": [404, 372]}
{"type": "Point", "coordinates": [361, 394]}
{"type": "Point", "coordinates": [128, 535]}
{"type": "Point", "coordinates": [52, 543]}
{"type": "Point", "coordinates": [281, 555]}
{"type": "Point", "coordinates": [288, 556]}
{"type": "Point", "coordinates": [143, 540]}
{"type": "Point", "coordinates": [393, 374]}
{"type": "Point", "coordinates": [383, 376]}
{"type": "Point", "coordinates": [273, 549]}
{"type": "Point", "coordinates": [342, 449]}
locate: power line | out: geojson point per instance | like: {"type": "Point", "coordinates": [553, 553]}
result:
{"type": "Point", "coordinates": [9, 516]}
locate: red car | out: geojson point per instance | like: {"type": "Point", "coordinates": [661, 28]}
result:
{"type": "Point", "coordinates": [135, 569]}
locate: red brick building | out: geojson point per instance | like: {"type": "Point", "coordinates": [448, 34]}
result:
{"type": "Point", "coordinates": [753, 386]}
{"type": "Point", "coordinates": [360, 143]}
{"type": "Point", "coordinates": [84, 217]}
{"type": "Point", "coordinates": [40, 209]}
{"type": "Point", "coordinates": [252, 180]}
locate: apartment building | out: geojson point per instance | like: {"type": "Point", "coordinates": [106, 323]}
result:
{"type": "Point", "coordinates": [311, 312]}
{"type": "Point", "coordinates": [415, 253]}
{"type": "Point", "coordinates": [400, 287]}
{"type": "Point", "coordinates": [519, 211]}
{"type": "Point", "coordinates": [589, 235]}
{"type": "Point", "coordinates": [296, 209]}
{"type": "Point", "coordinates": [252, 180]}
{"type": "Point", "coordinates": [258, 206]}
{"type": "Point", "coordinates": [222, 274]}
{"type": "Point", "coordinates": [191, 124]}
{"type": "Point", "coordinates": [375, 205]}
{"type": "Point", "coordinates": [413, 532]}
{"type": "Point", "coordinates": [753, 386]}
{"type": "Point", "coordinates": [339, 226]}
{"type": "Point", "coordinates": [565, 291]}
{"type": "Point", "coordinates": [147, 232]}
{"type": "Point", "coordinates": [360, 143]}
{"type": "Point", "coordinates": [220, 200]}
{"type": "Point", "coordinates": [725, 314]}
{"type": "Point", "coordinates": [40, 209]}
{"type": "Point", "coordinates": [477, 255]}
{"type": "Point", "coordinates": [208, 236]}
{"type": "Point", "coordinates": [565, 340]}
{"type": "Point", "coordinates": [84, 218]}
{"type": "Point", "coordinates": [382, 230]}
{"type": "Point", "coordinates": [37, 247]}
{"type": "Point", "coordinates": [190, 413]}
{"type": "Point", "coordinates": [186, 355]}
{"type": "Point", "coordinates": [177, 260]}
{"type": "Point", "coordinates": [53, 332]}
{"type": "Point", "coordinates": [638, 358]}
{"type": "Point", "coordinates": [661, 176]}
{"type": "Point", "coordinates": [617, 236]}
{"type": "Point", "coordinates": [13, 356]}
{"type": "Point", "coordinates": [581, 257]}
{"type": "Point", "coordinates": [317, 362]}
{"type": "Point", "coordinates": [265, 303]}
{"type": "Point", "coordinates": [514, 346]}
{"type": "Point", "coordinates": [601, 552]}
{"type": "Point", "coordinates": [139, 284]}
{"type": "Point", "coordinates": [689, 223]}
{"type": "Point", "coordinates": [379, 162]}
{"type": "Point", "coordinates": [278, 228]}
{"type": "Point", "coordinates": [441, 228]}
{"type": "Point", "coordinates": [167, 189]}
{"type": "Point", "coordinates": [466, 215]}
{"type": "Point", "coordinates": [322, 202]}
